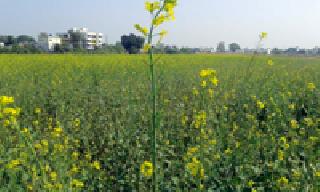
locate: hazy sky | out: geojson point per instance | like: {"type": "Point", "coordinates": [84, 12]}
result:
{"type": "Point", "coordinates": [199, 22]}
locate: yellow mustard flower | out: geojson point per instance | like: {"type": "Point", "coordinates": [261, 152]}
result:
{"type": "Point", "coordinates": [214, 81]}
{"type": "Point", "coordinates": [74, 169]}
{"type": "Point", "coordinates": [217, 157]}
{"type": "Point", "coordinates": [37, 110]}
{"type": "Point", "coordinates": [163, 33]}
{"type": "Point", "coordinates": [313, 138]}
{"type": "Point", "coordinates": [260, 105]}
{"type": "Point", "coordinates": [280, 155]}
{"type": "Point", "coordinates": [251, 183]}
{"type": "Point", "coordinates": [194, 167]}
{"type": "Point", "coordinates": [294, 124]}
{"type": "Point", "coordinates": [202, 173]}
{"type": "Point", "coordinates": [263, 35]}
{"type": "Point", "coordinates": [203, 84]}
{"type": "Point", "coordinates": [75, 155]}
{"type": "Point", "coordinates": [270, 62]}
{"type": "Point", "coordinates": [57, 131]}
{"type": "Point", "coordinates": [309, 122]}
{"type": "Point", "coordinates": [159, 20]}
{"type": "Point", "coordinates": [197, 124]}
{"type": "Point", "coordinates": [228, 151]}
{"type": "Point", "coordinates": [6, 123]}
{"type": "Point", "coordinates": [14, 163]}
{"type": "Point", "coordinates": [213, 142]}
{"type": "Point", "coordinates": [96, 165]}
{"type": "Point", "coordinates": [146, 169]}
{"type": "Point", "coordinates": [87, 156]}
{"type": "Point", "coordinates": [11, 111]}
{"type": "Point", "coordinates": [38, 146]}
{"type": "Point", "coordinates": [29, 187]}
{"type": "Point", "coordinates": [286, 146]}
{"type": "Point", "coordinates": [152, 6]}
{"type": "Point", "coordinates": [5, 100]}
{"type": "Point", "coordinates": [146, 47]}
{"type": "Point", "coordinates": [296, 173]}
{"type": "Point", "coordinates": [283, 181]}
{"type": "Point", "coordinates": [311, 86]}
{"type": "Point", "coordinates": [207, 72]}
{"type": "Point", "coordinates": [283, 140]}
{"type": "Point", "coordinates": [58, 147]}
{"type": "Point", "coordinates": [169, 7]}
{"type": "Point", "coordinates": [184, 119]}
{"type": "Point", "coordinates": [76, 122]}
{"type": "Point", "coordinates": [141, 29]}
{"type": "Point", "coordinates": [77, 183]}
{"type": "Point", "coordinates": [53, 176]}
{"type": "Point", "coordinates": [45, 142]}
{"type": "Point", "coordinates": [24, 130]}
{"type": "Point", "coordinates": [291, 106]}
{"type": "Point", "coordinates": [192, 150]}
{"type": "Point", "coordinates": [48, 186]}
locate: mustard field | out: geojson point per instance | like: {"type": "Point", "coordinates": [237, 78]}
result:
{"type": "Point", "coordinates": [225, 123]}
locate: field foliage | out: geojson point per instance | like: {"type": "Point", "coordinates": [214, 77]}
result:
{"type": "Point", "coordinates": [82, 123]}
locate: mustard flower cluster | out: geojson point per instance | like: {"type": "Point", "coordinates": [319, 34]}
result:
{"type": "Point", "coordinates": [146, 169]}
{"type": "Point", "coordinates": [161, 11]}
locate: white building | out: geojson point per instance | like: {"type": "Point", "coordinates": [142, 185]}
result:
{"type": "Point", "coordinates": [1, 45]}
{"type": "Point", "coordinates": [48, 41]}
{"type": "Point", "coordinates": [91, 39]}
{"type": "Point", "coordinates": [94, 40]}
{"type": "Point", "coordinates": [269, 51]}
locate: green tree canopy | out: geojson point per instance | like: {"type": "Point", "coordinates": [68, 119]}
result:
{"type": "Point", "coordinates": [132, 43]}
{"type": "Point", "coordinates": [233, 47]}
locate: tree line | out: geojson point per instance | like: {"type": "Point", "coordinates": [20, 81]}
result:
{"type": "Point", "coordinates": [132, 44]}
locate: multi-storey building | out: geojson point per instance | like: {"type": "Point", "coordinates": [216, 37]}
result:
{"type": "Point", "coordinates": [83, 38]}
{"type": "Point", "coordinates": [75, 38]}
{"type": "Point", "coordinates": [94, 40]}
{"type": "Point", "coordinates": [48, 42]}
{"type": "Point", "coordinates": [65, 39]}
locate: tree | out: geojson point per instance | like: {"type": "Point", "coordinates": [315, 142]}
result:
{"type": "Point", "coordinates": [132, 43]}
{"type": "Point", "coordinates": [171, 50]}
{"type": "Point", "coordinates": [13, 44]}
{"type": "Point", "coordinates": [233, 47]}
{"type": "Point", "coordinates": [11, 40]}
{"type": "Point", "coordinates": [4, 39]}
{"type": "Point", "coordinates": [276, 51]}
{"type": "Point", "coordinates": [108, 48]}
{"type": "Point", "coordinates": [185, 50]}
{"type": "Point", "coordinates": [221, 47]}
{"type": "Point", "coordinates": [25, 39]}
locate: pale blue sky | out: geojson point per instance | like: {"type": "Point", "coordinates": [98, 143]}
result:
{"type": "Point", "coordinates": [199, 22]}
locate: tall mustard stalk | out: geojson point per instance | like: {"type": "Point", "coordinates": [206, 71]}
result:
{"type": "Point", "coordinates": [161, 11]}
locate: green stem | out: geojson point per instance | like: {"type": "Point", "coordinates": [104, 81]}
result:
{"type": "Point", "coordinates": [154, 110]}
{"type": "Point", "coordinates": [154, 103]}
